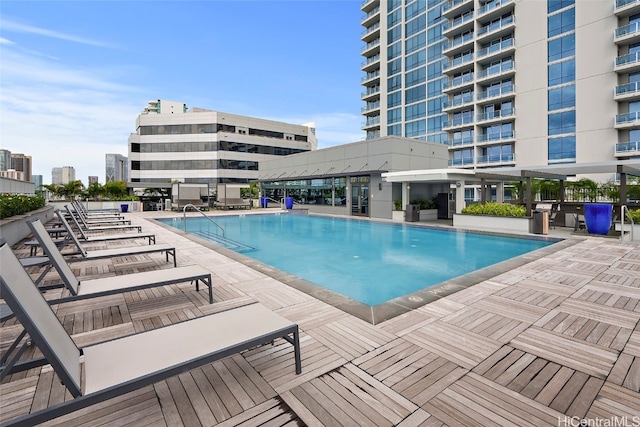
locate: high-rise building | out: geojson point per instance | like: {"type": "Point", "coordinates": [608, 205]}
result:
{"type": "Point", "coordinates": [38, 181]}
{"type": "Point", "coordinates": [116, 168]}
{"type": "Point", "coordinates": [63, 175]}
{"type": "Point", "coordinates": [505, 82]}
{"type": "Point", "coordinates": [23, 164]}
{"type": "Point", "coordinates": [92, 179]}
{"type": "Point", "coordinates": [174, 143]}
{"type": "Point", "coordinates": [5, 159]}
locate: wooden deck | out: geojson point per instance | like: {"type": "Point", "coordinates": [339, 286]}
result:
{"type": "Point", "coordinates": [553, 339]}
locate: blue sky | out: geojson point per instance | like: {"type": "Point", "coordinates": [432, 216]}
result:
{"type": "Point", "coordinates": [74, 75]}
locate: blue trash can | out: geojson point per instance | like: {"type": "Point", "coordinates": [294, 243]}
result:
{"type": "Point", "coordinates": [288, 202]}
{"type": "Point", "coordinates": [124, 208]}
{"type": "Point", "coordinates": [264, 202]}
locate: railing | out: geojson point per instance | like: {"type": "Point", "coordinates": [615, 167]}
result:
{"type": "Point", "coordinates": [497, 91]}
{"type": "Point", "coordinates": [622, 209]}
{"type": "Point", "coordinates": [460, 60]}
{"type": "Point", "coordinates": [627, 29]}
{"type": "Point", "coordinates": [623, 3]}
{"type": "Point", "coordinates": [627, 147]}
{"type": "Point", "coordinates": [494, 48]}
{"type": "Point", "coordinates": [627, 88]}
{"type": "Point", "coordinates": [458, 81]}
{"type": "Point", "coordinates": [492, 5]}
{"type": "Point", "coordinates": [627, 117]}
{"type": "Point", "coordinates": [631, 58]}
{"type": "Point", "coordinates": [507, 112]}
{"type": "Point", "coordinates": [508, 20]}
{"type": "Point", "coordinates": [184, 217]}
{"type": "Point", "coordinates": [496, 69]}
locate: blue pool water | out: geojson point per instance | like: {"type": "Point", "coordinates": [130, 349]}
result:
{"type": "Point", "coordinates": [368, 261]}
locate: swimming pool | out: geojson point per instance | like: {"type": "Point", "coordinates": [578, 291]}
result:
{"type": "Point", "coordinates": [367, 261]}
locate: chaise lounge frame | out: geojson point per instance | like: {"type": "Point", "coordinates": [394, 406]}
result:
{"type": "Point", "coordinates": [116, 367]}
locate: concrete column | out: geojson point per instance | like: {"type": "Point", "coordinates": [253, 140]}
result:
{"type": "Point", "coordinates": [500, 192]}
{"type": "Point", "coordinates": [406, 194]}
{"type": "Point", "coordinates": [460, 203]}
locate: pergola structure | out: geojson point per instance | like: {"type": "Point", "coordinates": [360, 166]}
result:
{"type": "Point", "coordinates": [559, 172]}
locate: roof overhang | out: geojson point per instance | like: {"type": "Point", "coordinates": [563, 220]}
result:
{"type": "Point", "coordinates": [430, 175]}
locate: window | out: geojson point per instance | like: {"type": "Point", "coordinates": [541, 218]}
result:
{"type": "Point", "coordinates": [394, 83]}
{"type": "Point", "coordinates": [394, 99]}
{"type": "Point", "coordinates": [434, 88]}
{"type": "Point", "coordinates": [562, 148]}
{"type": "Point", "coordinates": [394, 18]}
{"type": "Point", "coordinates": [416, 111]}
{"type": "Point", "coordinates": [434, 69]}
{"type": "Point", "coordinates": [415, 8]}
{"type": "Point", "coordinates": [415, 26]}
{"type": "Point", "coordinates": [415, 43]}
{"type": "Point", "coordinates": [435, 51]}
{"type": "Point", "coordinates": [415, 77]}
{"type": "Point", "coordinates": [415, 128]}
{"type": "Point", "coordinates": [394, 67]}
{"type": "Point", "coordinates": [434, 34]}
{"type": "Point", "coordinates": [562, 97]}
{"type": "Point", "coordinates": [394, 50]}
{"type": "Point", "coordinates": [561, 47]}
{"type": "Point", "coordinates": [415, 60]}
{"type": "Point", "coordinates": [394, 130]}
{"type": "Point", "coordinates": [415, 94]}
{"type": "Point", "coordinates": [553, 5]}
{"type": "Point", "coordinates": [564, 122]}
{"type": "Point", "coordinates": [561, 22]}
{"type": "Point", "coordinates": [562, 72]}
{"type": "Point", "coordinates": [394, 34]}
{"type": "Point", "coordinates": [394, 116]}
{"type": "Point", "coordinates": [434, 106]}
{"type": "Point", "coordinates": [434, 124]}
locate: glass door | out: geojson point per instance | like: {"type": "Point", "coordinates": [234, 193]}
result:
{"type": "Point", "coordinates": [360, 195]}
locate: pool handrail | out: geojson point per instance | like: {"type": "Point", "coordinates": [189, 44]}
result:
{"type": "Point", "coordinates": [184, 217]}
{"type": "Point", "coordinates": [622, 209]}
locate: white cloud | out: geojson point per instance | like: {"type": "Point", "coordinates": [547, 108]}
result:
{"type": "Point", "coordinates": [16, 27]}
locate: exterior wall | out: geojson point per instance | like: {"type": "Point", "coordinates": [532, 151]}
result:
{"type": "Point", "coordinates": [15, 186]}
{"type": "Point", "coordinates": [116, 168]}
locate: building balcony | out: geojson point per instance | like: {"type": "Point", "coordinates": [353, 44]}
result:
{"type": "Point", "coordinates": [371, 63]}
{"type": "Point", "coordinates": [495, 93]}
{"type": "Point", "coordinates": [627, 92]}
{"type": "Point", "coordinates": [626, 7]}
{"type": "Point", "coordinates": [464, 162]}
{"type": "Point", "coordinates": [458, 64]}
{"type": "Point", "coordinates": [459, 24]}
{"type": "Point", "coordinates": [496, 160]}
{"type": "Point", "coordinates": [496, 116]}
{"type": "Point", "coordinates": [627, 120]}
{"type": "Point", "coordinates": [459, 102]}
{"type": "Point", "coordinates": [497, 72]}
{"type": "Point", "coordinates": [371, 48]}
{"type": "Point", "coordinates": [626, 149]}
{"type": "Point", "coordinates": [496, 51]}
{"type": "Point", "coordinates": [371, 78]}
{"type": "Point", "coordinates": [370, 94]}
{"type": "Point", "coordinates": [458, 44]}
{"type": "Point", "coordinates": [373, 121]}
{"type": "Point", "coordinates": [496, 29]}
{"type": "Point", "coordinates": [628, 63]}
{"type": "Point", "coordinates": [371, 107]}
{"type": "Point", "coordinates": [495, 137]}
{"type": "Point", "coordinates": [371, 17]}
{"type": "Point", "coordinates": [493, 10]}
{"type": "Point", "coordinates": [456, 7]}
{"type": "Point", "coordinates": [627, 34]}
{"type": "Point", "coordinates": [371, 33]}
{"type": "Point", "coordinates": [459, 142]}
{"type": "Point", "coordinates": [458, 83]}
{"type": "Point", "coordinates": [459, 122]}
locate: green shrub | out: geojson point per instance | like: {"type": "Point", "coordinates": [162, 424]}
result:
{"type": "Point", "coordinates": [425, 204]}
{"type": "Point", "coordinates": [15, 204]}
{"type": "Point", "coordinates": [496, 209]}
{"type": "Point", "coordinates": [635, 215]}
{"type": "Point", "coordinates": [397, 204]}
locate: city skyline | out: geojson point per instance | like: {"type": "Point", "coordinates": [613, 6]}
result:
{"type": "Point", "coordinates": [72, 87]}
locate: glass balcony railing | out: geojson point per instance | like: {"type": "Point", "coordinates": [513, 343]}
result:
{"type": "Point", "coordinates": [372, 121]}
{"type": "Point", "coordinates": [459, 100]}
{"type": "Point", "coordinates": [459, 41]}
{"type": "Point", "coordinates": [628, 147]}
{"type": "Point", "coordinates": [451, 4]}
{"type": "Point", "coordinates": [371, 29]}
{"type": "Point", "coordinates": [371, 13]}
{"type": "Point", "coordinates": [370, 45]}
{"type": "Point", "coordinates": [627, 88]}
{"type": "Point", "coordinates": [461, 60]}
{"type": "Point", "coordinates": [495, 48]}
{"type": "Point", "coordinates": [496, 136]}
{"type": "Point", "coordinates": [496, 69]}
{"type": "Point", "coordinates": [491, 92]}
{"type": "Point", "coordinates": [459, 80]}
{"type": "Point", "coordinates": [631, 58]}
{"type": "Point", "coordinates": [496, 158]}
{"type": "Point", "coordinates": [371, 60]}
{"type": "Point", "coordinates": [627, 118]}
{"type": "Point", "coordinates": [458, 121]}
{"type": "Point", "coordinates": [370, 106]}
{"type": "Point", "coordinates": [507, 112]}
{"type": "Point", "coordinates": [370, 76]}
{"type": "Point", "coordinates": [496, 25]}
{"type": "Point", "coordinates": [452, 23]}
{"type": "Point", "coordinates": [466, 161]}
{"type": "Point", "coordinates": [468, 140]}
{"type": "Point", "coordinates": [370, 91]}
{"type": "Point", "coordinates": [623, 3]}
{"type": "Point", "coordinates": [493, 5]}
{"type": "Point", "coordinates": [626, 30]}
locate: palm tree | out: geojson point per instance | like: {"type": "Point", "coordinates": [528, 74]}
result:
{"type": "Point", "coordinates": [95, 190]}
{"type": "Point", "coordinates": [73, 188]}
{"type": "Point", "coordinates": [54, 189]}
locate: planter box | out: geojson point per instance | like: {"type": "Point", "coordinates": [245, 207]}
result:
{"type": "Point", "coordinates": [428, 215]}
{"type": "Point", "coordinates": [493, 223]}
{"type": "Point", "coordinates": [397, 216]}
{"type": "Point", "coordinates": [15, 228]}
{"type": "Point", "coordinates": [134, 205]}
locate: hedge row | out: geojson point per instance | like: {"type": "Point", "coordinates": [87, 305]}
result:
{"type": "Point", "coordinates": [496, 209]}
{"type": "Point", "coordinates": [13, 204]}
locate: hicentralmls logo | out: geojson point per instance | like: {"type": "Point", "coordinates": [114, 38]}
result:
{"type": "Point", "coordinates": [599, 422]}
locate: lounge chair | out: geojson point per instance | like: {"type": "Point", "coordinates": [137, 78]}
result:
{"type": "Point", "coordinates": [100, 220]}
{"type": "Point", "coordinates": [119, 366]}
{"type": "Point", "coordinates": [99, 238]}
{"type": "Point", "coordinates": [118, 284]}
{"type": "Point", "coordinates": [99, 227]}
{"type": "Point", "coordinates": [77, 205]}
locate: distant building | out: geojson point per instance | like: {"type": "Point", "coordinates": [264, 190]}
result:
{"type": "Point", "coordinates": [12, 174]}
{"type": "Point", "coordinates": [92, 179]}
{"type": "Point", "coordinates": [116, 168]}
{"type": "Point", "coordinates": [38, 181]}
{"type": "Point", "coordinates": [63, 175]}
{"type": "Point", "coordinates": [173, 143]}
{"type": "Point", "coordinates": [5, 159]}
{"type": "Point", "coordinates": [23, 164]}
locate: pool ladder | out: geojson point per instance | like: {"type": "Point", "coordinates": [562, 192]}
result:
{"type": "Point", "coordinates": [184, 217]}
{"type": "Point", "coordinates": [622, 214]}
